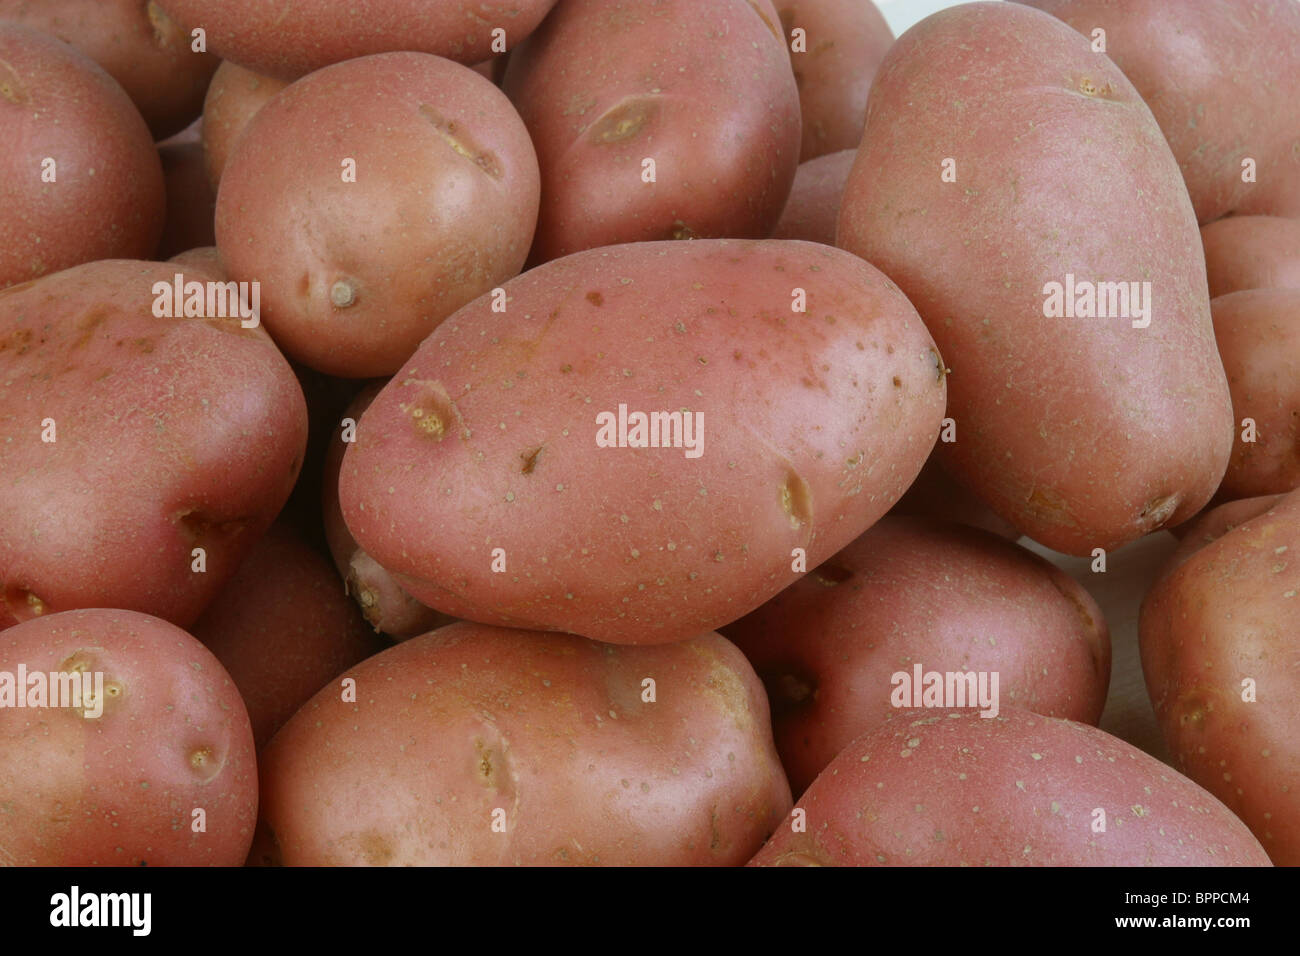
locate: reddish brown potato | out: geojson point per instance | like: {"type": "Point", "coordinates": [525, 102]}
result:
{"type": "Point", "coordinates": [701, 89]}
{"type": "Point", "coordinates": [148, 54]}
{"type": "Point", "coordinates": [478, 745]}
{"type": "Point", "coordinates": [1213, 523]}
{"type": "Point", "coordinates": [191, 203]}
{"type": "Point", "coordinates": [233, 99]}
{"type": "Point", "coordinates": [126, 778]}
{"type": "Point", "coordinates": [813, 208]}
{"type": "Point", "coordinates": [79, 176]}
{"type": "Point", "coordinates": [1258, 331]}
{"type": "Point", "coordinates": [843, 43]}
{"type": "Point", "coordinates": [372, 199]}
{"type": "Point", "coordinates": [1252, 252]}
{"type": "Point", "coordinates": [289, 40]}
{"type": "Point", "coordinates": [283, 628]}
{"type": "Point", "coordinates": [131, 440]}
{"type": "Point", "coordinates": [936, 788]}
{"type": "Point", "coordinates": [911, 592]}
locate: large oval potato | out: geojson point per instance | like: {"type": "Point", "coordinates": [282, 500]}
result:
{"type": "Point", "coordinates": [674, 119]}
{"type": "Point", "coordinates": [1085, 428]}
{"type": "Point", "coordinates": [119, 779]}
{"type": "Point", "coordinates": [80, 179]}
{"type": "Point", "coordinates": [289, 40]}
{"type": "Point", "coordinates": [1222, 78]}
{"type": "Point", "coordinates": [957, 789]}
{"type": "Point", "coordinates": [1258, 331]}
{"type": "Point", "coordinates": [1252, 252]}
{"type": "Point", "coordinates": [492, 479]}
{"type": "Point", "coordinates": [842, 44]}
{"type": "Point", "coordinates": [1221, 655]}
{"type": "Point", "coordinates": [138, 45]}
{"type": "Point", "coordinates": [479, 745]}
{"type": "Point", "coordinates": [233, 99]}
{"type": "Point", "coordinates": [372, 199]}
{"type": "Point", "coordinates": [813, 208]}
{"type": "Point", "coordinates": [913, 593]}
{"type": "Point", "coordinates": [132, 439]}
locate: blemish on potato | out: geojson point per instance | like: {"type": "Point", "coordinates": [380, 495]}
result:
{"type": "Point", "coordinates": [1158, 510]}
{"type": "Point", "coordinates": [530, 460]}
{"type": "Point", "coordinates": [10, 88]}
{"type": "Point", "coordinates": [680, 230]}
{"type": "Point", "coordinates": [205, 763]}
{"type": "Point", "coordinates": [458, 140]}
{"type": "Point", "coordinates": [624, 120]}
{"type": "Point", "coordinates": [23, 604]}
{"type": "Point", "coordinates": [343, 293]}
{"type": "Point", "coordinates": [595, 298]}
{"type": "Point", "coordinates": [831, 575]}
{"type": "Point", "coordinates": [795, 500]}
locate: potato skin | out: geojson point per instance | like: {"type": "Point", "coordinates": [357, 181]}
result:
{"type": "Point", "coordinates": [1252, 252]}
{"type": "Point", "coordinates": [1222, 78]}
{"type": "Point", "coordinates": [119, 789]}
{"type": "Point", "coordinates": [107, 199]}
{"type": "Point", "coordinates": [233, 99]}
{"type": "Point", "coordinates": [290, 40]}
{"type": "Point", "coordinates": [1225, 614]}
{"type": "Point", "coordinates": [170, 434]}
{"type": "Point", "coordinates": [1258, 331]}
{"type": "Point", "coordinates": [551, 728]}
{"type": "Point", "coordinates": [355, 274]}
{"type": "Point", "coordinates": [813, 208]}
{"type": "Point", "coordinates": [915, 591]}
{"type": "Point", "coordinates": [935, 788]}
{"type": "Point", "coordinates": [936, 494]}
{"type": "Point", "coordinates": [815, 423]}
{"type": "Point", "coordinates": [1082, 432]}
{"type": "Point", "coordinates": [846, 40]}
{"type": "Point", "coordinates": [283, 628]}
{"type": "Point", "coordinates": [191, 201]}
{"type": "Point", "coordinates": [702, 87]}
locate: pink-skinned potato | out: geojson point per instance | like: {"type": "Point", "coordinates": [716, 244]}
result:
{"type": "Point", "coordinates": [381, 599]}
{"type": "Point", "coordinates": [702, 89]}
{"type": "Point", "coordinates": [1220, 641]}
{"type": "Point", "coordinates": [357, 269]}
{"type": "Point", "coordinates": [290, 40]}
{"type": "Point", "coordinates": [116, 778]}
{"type": "Point", "coordinates": [477, 745]}
{"type": "Point", "coordinates": [813, 208]}
{"type": "Point", "coordinates": [233, 99]}
{"type": "Point", "coordinates": [843, 43]}
{"type": "Point", "coordinates": [1258, 331]}
{"type": "Point", "coordinates": [1252, 252]}
{"type": "Point", "coordinates": [489, 476]}
{"type": "Point", "coordinates": [191, 201]}
{"type": "Point", "coordinates": [202, 259]}
{"type": "Point", "coordinates": [80, 179]}
{"type": "Point", "coordinates": [283, 628]}
{"type": "Point", "coordinates": [935, 494]}
{"type": "Point", "coordinates": [1213, 523]}
{"type": "Point", "coordinates": [917, 592]}
{"type": "Point", "coordinates": [1083, 429]}
{"type": "Point", "coordinates": [952, 788]}
{"type": "Point", "coordinates": [131, 441]}
{"type": "Point", "coordinates": [1222, 78]}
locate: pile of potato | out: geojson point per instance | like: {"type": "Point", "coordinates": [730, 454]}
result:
{"type": "Point", "coordinates": [599, 431]}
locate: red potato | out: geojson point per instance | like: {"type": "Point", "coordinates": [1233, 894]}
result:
{"type": "Point", "coordinates": [283, 628]}
{"type": "Point", "coordinates": [934, 788]}
{"type": "Point", "coordinates": [1258, 331]}
{"type": "Point", "coordinates": [911, 592]}
{"type": "Point", "coordinates": [1213, 523]}
{"type": "Point", "coordinates": [191, 202]}
{"type": "Point", "coordinates": [1252, 252]}
{"type": "Point", "coordinates": [80, 179]}
{"type": "Point", "coordinates": [1222, 78]}
{"type": "Point", "coordinates": [1220, 645]}
{"type": "Point", "coordinates": [935, 494]}
{"type": "Point", "coordinates": [233, 99]}
{"type": "Point", "coordinates": [124, 778]}
{"type": "Point", "coordinates": [843, 43]}
{"type": "Point", "coordinates": [1083, 432]}
{"type": "Point", "coordinates": [480, 746]}
{"type": "Point", "coordinates": [488, 476]}
{"type": "Point", "coordinates": [357, 269]}
{"type": "Point", "coordinates": [203, 259]}
{"type": "Point", "coordinates": [290, 40]}
{"type": "Point", "coordinates": [814, 204]}
{"type": "Point", "coordinates": [382, 600]}
{"type": "Point", "coordinates": [701, 88]}
{"type": "Point", "coordinates": [131, 440]}
{"type": "Point", "coordinates": [137, 44]}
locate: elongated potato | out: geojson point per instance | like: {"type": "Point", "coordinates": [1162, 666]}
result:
{"type": "Point", "coordinates": [1221, 655]}
{"type": "Point", "coordinates": [493, 479]}
{"type": "Point", "coordinates": [1089, 402]}
{"type": "Point", "coordinates": [1252, 252]}
{"type": "Point", "coordinates": [929, 788]}
{"type": "Point", "coordinates": [478, 745]}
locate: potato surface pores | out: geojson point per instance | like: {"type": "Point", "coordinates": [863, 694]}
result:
{"type": "Point", "coordinates": [498, 475]}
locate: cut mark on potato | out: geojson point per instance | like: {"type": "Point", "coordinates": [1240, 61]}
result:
{"type": "Point", "coordinates": [623, 121]}
{"type": "Point", "coordinates": [767, 21]}
{"type": "Point", "coordinates": [10, 88]}
{"type": "Point", "coordinates": [530, 460]}
{"type": "Point", "coordinates": [456, 138]}
{"type": "Point", "coordinates": [796, 499]}
{"type": "Point", "coordinates": [200, 526]}
{"type": "Point", "coordinates": [1158, 510]}
{"type": "Point", "coordinates": [831, 575]}
{"type": "Point", "coordinates": [23, 604]}
{"type": "Point", "coordinates": [161, 24]}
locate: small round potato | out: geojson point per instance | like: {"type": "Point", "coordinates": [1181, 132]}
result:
{"type": "Point", "coordinates": [1252, 252]}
